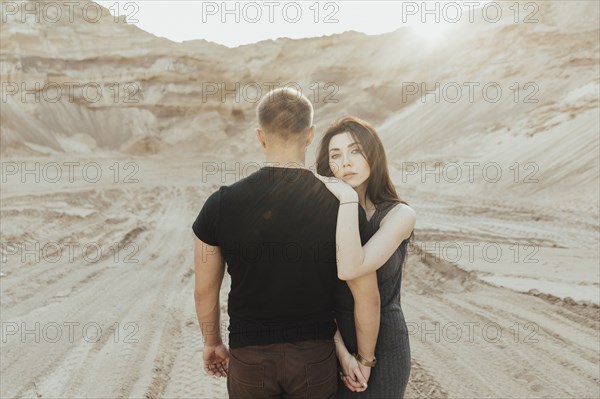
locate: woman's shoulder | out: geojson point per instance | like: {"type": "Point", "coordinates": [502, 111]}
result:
{"type": "Point", "coordinates": [400, 213]}
{"type": "Point", "coordinates": [392, 207]}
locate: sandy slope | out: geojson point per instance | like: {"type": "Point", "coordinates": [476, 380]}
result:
{"type": "Point", "coordinates": [150, 345]}
{"type": "Point", "coordinates": [163, 98]}
{"type": "Point", "coordinates": [555, 356]}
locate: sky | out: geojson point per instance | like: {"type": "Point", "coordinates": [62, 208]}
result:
{"type": "Point", "coordinates": [234, 23]}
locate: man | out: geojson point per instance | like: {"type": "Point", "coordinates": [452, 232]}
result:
{"type": "Point", "coordinates": [275, 230]}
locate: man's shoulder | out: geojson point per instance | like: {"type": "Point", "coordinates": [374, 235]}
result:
{"type": "Point", "coordinates": [309, 190]}
{"type": "Point", "coordinates": [215, 197]}
{"type": "Point", "coordinates": [247, 177]}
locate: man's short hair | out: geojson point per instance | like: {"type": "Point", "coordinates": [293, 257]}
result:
{"type": "Point", "coordinates": [284, 112]}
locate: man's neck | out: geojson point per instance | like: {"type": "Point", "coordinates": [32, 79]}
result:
{"type": "Point", "coordinates": [285, 161]}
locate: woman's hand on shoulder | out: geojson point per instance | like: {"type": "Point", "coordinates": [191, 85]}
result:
{"type": "Point", "coordinates": [342, 190]}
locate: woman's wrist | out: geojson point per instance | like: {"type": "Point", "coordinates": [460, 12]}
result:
{"type": "Point", "coordinates": [366, 354]}
{"type": "Point", "coordinates": [364, 361]}
{"type": "Point", "coordinates": [349, 198]}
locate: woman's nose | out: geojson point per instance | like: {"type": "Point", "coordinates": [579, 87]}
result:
{"type": "Point", "coordinates": [346, 160]}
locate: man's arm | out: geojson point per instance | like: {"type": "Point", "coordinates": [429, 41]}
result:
{"type": "Point", "coordinates": [209, 269]}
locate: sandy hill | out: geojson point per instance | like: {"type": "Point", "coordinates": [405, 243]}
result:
{"type": "Point", "coordinates": [159, 96]}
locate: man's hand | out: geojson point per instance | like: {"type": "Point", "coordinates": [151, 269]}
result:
{"type": "Point", "coordinates": [216, 360]}
{"type": "Point", "coordinates": [354, 375]}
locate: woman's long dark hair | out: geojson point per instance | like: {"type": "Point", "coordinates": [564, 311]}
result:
{"type": "Point", "coordinates": [380, 188]}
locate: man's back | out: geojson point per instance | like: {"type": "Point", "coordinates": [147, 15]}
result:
{"type": "Point", "coordinates": [276, 232]}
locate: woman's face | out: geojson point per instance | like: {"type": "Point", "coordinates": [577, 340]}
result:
{"type": "Point", "coordinates": [346, 161]}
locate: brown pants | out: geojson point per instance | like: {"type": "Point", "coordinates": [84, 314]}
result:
{"type": "Point", "coordinates": [298, 370]}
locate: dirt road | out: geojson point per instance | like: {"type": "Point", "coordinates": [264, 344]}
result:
{"type": "Point", "coordinates": [120, 322]}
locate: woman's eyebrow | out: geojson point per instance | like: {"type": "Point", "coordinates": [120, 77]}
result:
{"type": "Point", "coordinates": [337, 149]}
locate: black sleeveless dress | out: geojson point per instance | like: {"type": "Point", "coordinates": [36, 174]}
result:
{"type": "Point", "coordinates": [390, 376]}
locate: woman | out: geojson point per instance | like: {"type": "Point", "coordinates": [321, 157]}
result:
{"type": "Point", "coordinates": [352, 164]}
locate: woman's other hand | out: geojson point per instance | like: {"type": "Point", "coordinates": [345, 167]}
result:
{"type": "Point", "coordinates": [353, 373]}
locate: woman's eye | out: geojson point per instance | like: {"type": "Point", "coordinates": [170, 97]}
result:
{"type": "Point", "coordinates": [357, 151]}
{"type": "Point", "coordinates": [334, 156]}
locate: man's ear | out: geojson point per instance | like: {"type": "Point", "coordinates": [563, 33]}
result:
{"type": "Point", "coordinates": [310, 135]}
{"type": "Point", "coordinates": [261, 138]}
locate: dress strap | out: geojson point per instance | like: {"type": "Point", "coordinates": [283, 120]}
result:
{"type": "Point", "coordinates": [382, 210]}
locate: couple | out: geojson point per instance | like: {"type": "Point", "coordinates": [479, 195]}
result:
{"type": "Point", "coordinates": [315, 261]}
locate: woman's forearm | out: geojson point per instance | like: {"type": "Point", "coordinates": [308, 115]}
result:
{"type": "Point", "coordinates": [367, 313]}
{"type": "Point", "coordinates": [350, 257]}
{"type": "Point", "coordinates": [350, 253]}
{"type": "Point", "coordinates": [367, 319]}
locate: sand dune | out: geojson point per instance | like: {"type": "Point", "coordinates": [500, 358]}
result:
{"type": "Point", "coordinates": [517, 317]}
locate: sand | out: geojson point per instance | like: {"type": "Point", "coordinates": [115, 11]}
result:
{"type": "Point", "coordinates": [137, 333]}
{"type": "Point", "coordinates": [501, 289]}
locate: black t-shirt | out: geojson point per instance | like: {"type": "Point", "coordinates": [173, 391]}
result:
{"type": "Point", "coordinates": [276, 232]}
